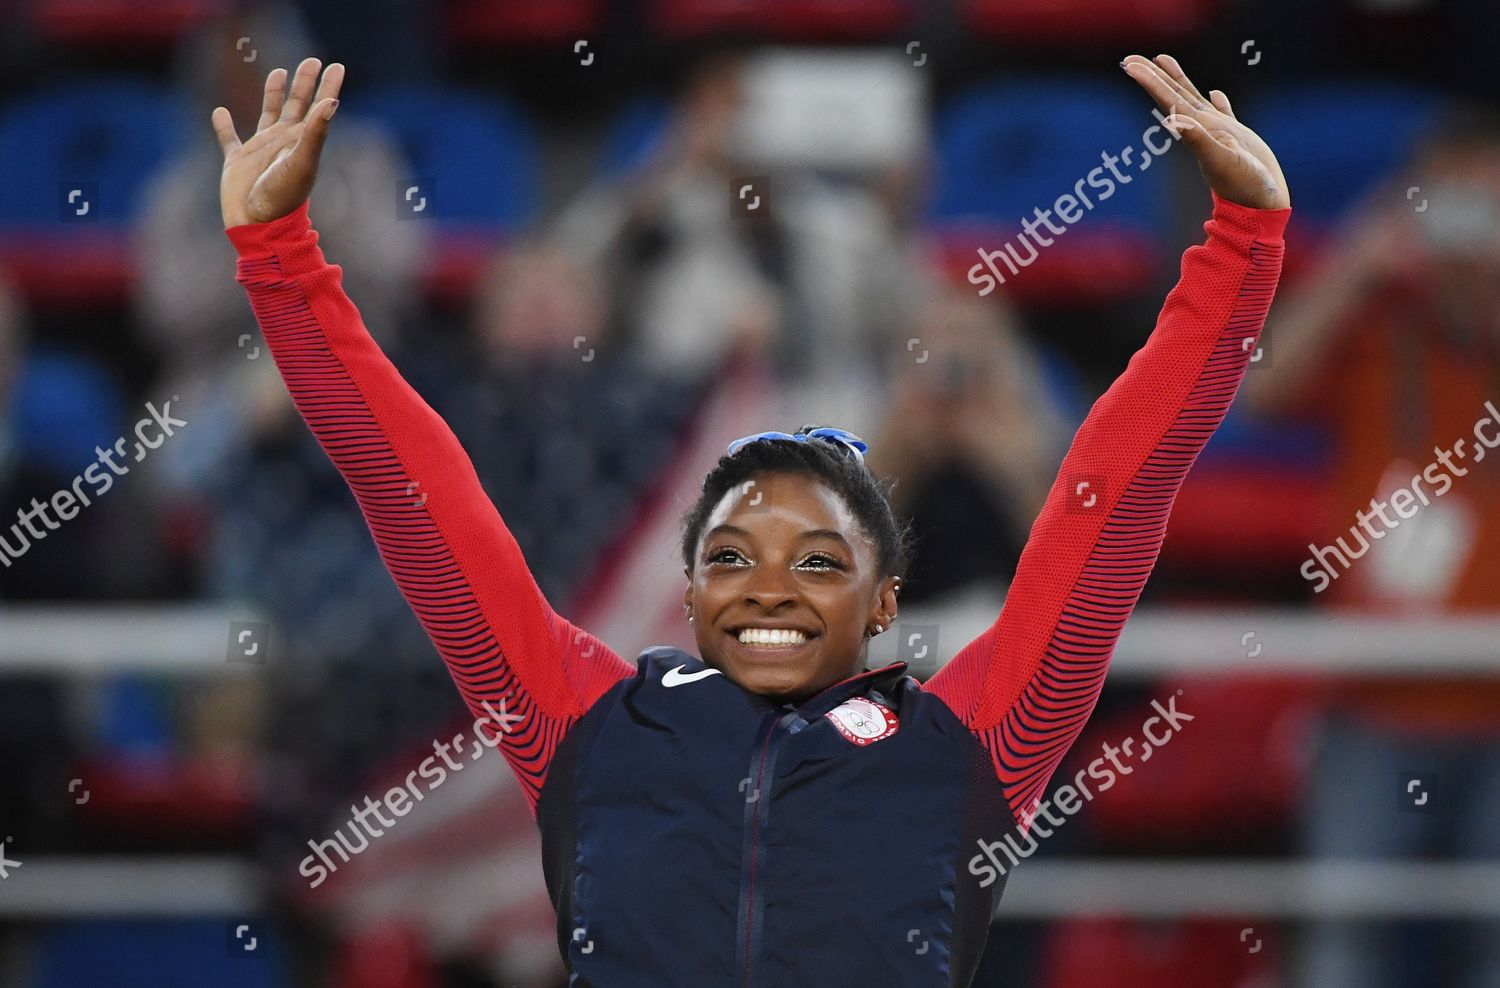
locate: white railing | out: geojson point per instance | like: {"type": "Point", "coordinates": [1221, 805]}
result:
{"type": "Point", "coordinates": [194, 640]}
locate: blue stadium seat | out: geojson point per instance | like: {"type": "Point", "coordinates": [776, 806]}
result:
{"type": "Point", "coordinates": [157, 954]}
{"type": "Point", "coordinates": [1336, 139]}
{"type": "Point", "coordinates": [77, 158]}
{"type": "Point", "coordinates": [474, 172]}
{"type": "Point", "coordinates": [135, 717]}
{"type": "Point", "coordinates": [64, 405]}
{"type": "Point", "coordinates": [108, 135]}
{"type": "Point", "coordinates": [478, 151]}
{"type": "Point", "coordinates": [1005, 149]}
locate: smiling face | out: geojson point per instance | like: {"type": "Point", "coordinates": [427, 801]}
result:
{"type": "Point", "coordinates": [784, 585]}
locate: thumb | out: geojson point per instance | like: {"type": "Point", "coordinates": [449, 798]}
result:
{"type": "Point", "coordinates": [309, 146]}
{"type": "Point", "coordinates": [224, 130]}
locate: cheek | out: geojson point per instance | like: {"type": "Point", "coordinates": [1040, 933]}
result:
{"type": "Point", "coordinates": [844, 616]}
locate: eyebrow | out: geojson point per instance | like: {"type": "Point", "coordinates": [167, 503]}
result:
{"type": "Point", "coordinates": [812, 533]}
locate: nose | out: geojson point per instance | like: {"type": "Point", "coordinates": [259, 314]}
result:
{"type": "Point", "coordinates": [768, 588]}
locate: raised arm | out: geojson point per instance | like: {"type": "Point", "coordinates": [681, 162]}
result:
{"type": "Point", "coordinates": [520, 666]}
{"type": "Point", "coordinates": [1027, 684]}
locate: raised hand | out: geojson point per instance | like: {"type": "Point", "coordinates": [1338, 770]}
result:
{"type": "Point", "coordinates": [272, 174]}
{"type": "Point", "coordinates": [1237, 163]}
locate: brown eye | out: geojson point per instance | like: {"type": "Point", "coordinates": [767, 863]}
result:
{"type": "Point", "coordinates": [722, 554]}
{"type": "Point", "coordinates": [822, 561]}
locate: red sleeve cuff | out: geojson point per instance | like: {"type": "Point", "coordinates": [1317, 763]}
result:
{"type": "Point", "coordinates": [1265, 225]}
{"type": "Point", "coordinates": [258, 239]}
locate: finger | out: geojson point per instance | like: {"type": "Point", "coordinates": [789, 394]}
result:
{"type": "Point", "coordinates": [224, 129]}
{"type": "Point", "coordinates": [1168, 95]}
{"type": "Point", "coordinates": [333, 79]}
{"type": "Point", "coordinates": [301, 91]}
{"type": "Point", "coordinates": [1174, 70]}
{"type": "Point", "coordinates": [1186, 94]}
{"type": "Point", "coordinates": [270, 104]}
{"type": "Point", "coordinates": [1222, 103]}
{"type": "Point", "coordinates": [310, 145]}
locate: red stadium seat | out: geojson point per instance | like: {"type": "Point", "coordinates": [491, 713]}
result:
{"type": "Point", "coordinates": [1252, 728]}
{"type": "Point", "coordinates": [787, 20]}
{"type": "Point", "coordinates": [113, 22]}
{"type": "Point", "coordinates": [387, 955]}
{"type": "Point", "coordinates": [65, 271]}
{"type": "Point", "coordinates": [1095, 266]}
{"type": "Point", "coordinates": [167, 801]}
{"type": "Point", "coordinates": [1208, 518]}
{"type": "Point", "coordinates": [523, 22]}
{"type": "Point", "coordinates": [1277, 473]}
{"type": "Point", "coordinates": [1073, 21]}
{"type": "Point", "coordinates": [1122, 953]}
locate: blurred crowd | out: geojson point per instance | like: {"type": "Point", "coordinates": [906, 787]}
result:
{"type": "Point", "coordinates": [577, 355]}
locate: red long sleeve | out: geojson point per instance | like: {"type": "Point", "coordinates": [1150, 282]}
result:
{"type": "Point", "coordinates": [450, 553]}
{"type": "Point", "coordinates": [1027, 685]}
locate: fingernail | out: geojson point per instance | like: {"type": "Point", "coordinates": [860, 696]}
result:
{"type": "Point", "coordinates": [331, 108]}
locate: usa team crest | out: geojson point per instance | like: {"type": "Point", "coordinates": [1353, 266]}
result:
{"type": "Point", "coordinates": [863, 721]}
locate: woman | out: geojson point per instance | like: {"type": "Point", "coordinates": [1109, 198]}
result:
{"type": "Point", "coordinates": [769, 812]}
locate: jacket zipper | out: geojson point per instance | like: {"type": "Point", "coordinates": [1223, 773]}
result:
{"type": "Point", "coordinates": [757, 791]}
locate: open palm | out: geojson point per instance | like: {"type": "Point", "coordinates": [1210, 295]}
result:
{"type": "Point", "coordinates": [1239, 165]}
{"type": "Point", "coordinates": [272, 174]}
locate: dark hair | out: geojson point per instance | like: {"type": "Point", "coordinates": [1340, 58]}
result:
{"type": "Point", "coordinates": [867, 495]}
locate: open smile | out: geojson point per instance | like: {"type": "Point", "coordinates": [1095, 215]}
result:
{"type": "Point", "coordinates": [771, 641]}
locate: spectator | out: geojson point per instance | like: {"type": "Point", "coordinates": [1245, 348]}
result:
{"type": "Point", "coordinates": [1396, 348]}
{"type": "Point", "coordinates": [818, 282]}
{"type": "Point", "coordinates": [972, 438]}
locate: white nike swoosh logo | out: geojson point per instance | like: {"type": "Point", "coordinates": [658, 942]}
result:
{"type": "Point", "coordinates": [676, 677]}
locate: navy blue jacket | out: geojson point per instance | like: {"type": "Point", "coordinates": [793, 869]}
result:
{"type": "Point", "coordinates": [695, 833]}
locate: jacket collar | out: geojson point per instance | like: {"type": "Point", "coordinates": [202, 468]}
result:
{"type": "Point", "coordinates": [882, 680]}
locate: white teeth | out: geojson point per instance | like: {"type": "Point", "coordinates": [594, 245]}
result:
{"type": "Point", "coordinates": [771, 636]}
